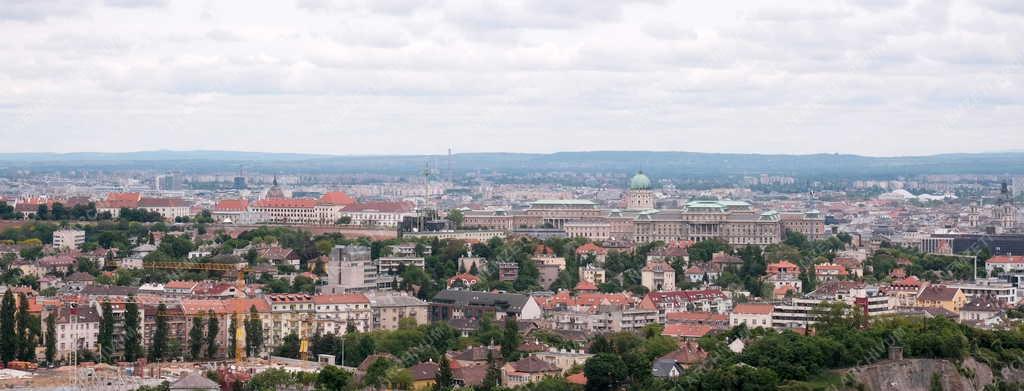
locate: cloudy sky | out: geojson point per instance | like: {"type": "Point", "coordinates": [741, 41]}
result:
{"type": "Point", "coordinates": [873, 77]}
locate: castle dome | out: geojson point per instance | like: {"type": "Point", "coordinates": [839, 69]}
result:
{"type": "Point", "coordinates": [640, 182]}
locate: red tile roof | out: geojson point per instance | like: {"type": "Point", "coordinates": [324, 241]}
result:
{"type": "Point", "coordinates": [753, 308]}
{"type": "Point", "coordinates": [336, 198]}
{"type": "Point", "coordinates": [239, 205]}
{"type": "Point", "coordinates": [686, 330]}
{"type": "Point", "coordinates": [353, 298]}
{"type": "Point", "coordinates": [590, 248]}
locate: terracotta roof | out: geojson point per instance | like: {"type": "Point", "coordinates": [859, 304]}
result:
{"type": "Point", "coordinates": [686, 330]}
{"type": "Point", "coordinates": [336, 198]}
{"type": "Point", "coordinates": [1006, 259]}
{"type": "Point", "coordinates": [753, 308]}
{"type": "Point", "coordinates": [577, 378]}
{"type": "Point", "coordinates": [658, 266]}
{"type": "Point", "coordinates": [180, 284]}
{"type": "Point", "coordinates": [124, 197]}
{"type": "Point", "coordinates": [588, 248]}
{"type": "Point", "coordinates": [585, 286]}
{"type": "Point", "coordinates": [243, 305]}
{"type": "Point", "coordinates": [352, 298]}
{"type": "Point", "coordinates": [231, 205]}
{"type": "Point", "coordinates": [199, 307]}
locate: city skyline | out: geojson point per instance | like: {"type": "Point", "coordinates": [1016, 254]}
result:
{"type": "Point", "coordinates": [873, 78]}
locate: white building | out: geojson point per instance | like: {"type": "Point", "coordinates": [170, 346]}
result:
{"type": "Point", "coordinates": [335, 313]}
{"type": "Point", "coordinates": [68, 239]}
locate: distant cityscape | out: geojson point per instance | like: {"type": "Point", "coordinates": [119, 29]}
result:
{"type": "Point", "coordinates": [519, 280]}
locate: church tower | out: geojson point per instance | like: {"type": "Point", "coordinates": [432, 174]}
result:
{"type": "Point", "coordinates": [640, 196]}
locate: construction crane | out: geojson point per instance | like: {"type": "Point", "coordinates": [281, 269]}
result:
{"type": "Point", "coordinates": [239, 268]}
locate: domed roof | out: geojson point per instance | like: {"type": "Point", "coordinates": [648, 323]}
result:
{"type": "Point", "coordinates": [640, 182]}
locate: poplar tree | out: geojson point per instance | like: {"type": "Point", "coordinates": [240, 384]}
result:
{"type": "Point", "coordinates": [195, 338]}
{"type": "Point", "coordinates": [51, 337]}
{"type": "Point", "coordinates": [106, 334]}
{"type": "Point", "coordinates": [8, 339]}
{"type": "Point", "coordinates": [159, 347]}
{"type": "Point", "coordinates": [212, 329]}
{"type": "Point", "coordinates": [132, 344]}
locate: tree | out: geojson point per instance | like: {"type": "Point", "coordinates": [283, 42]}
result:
{"type": "Point", "coordinates": [195, 338]}
{"type": "Point", "coordinates": [604, 371]}
{"type": "Point", "coordinates": [377, 371]}
{"type": "Point", "coordinates": [493, 377]}
{"type": "Point", "coordinates": [51, 337]}
{"type": "Point", "coordinates": [132, 342]}
{"type": "Point", "coordinates": [26, 339]}
{"type": "Point", "coordinates": [105, 339]}
{"type": "Point", "coordinates": [232, 338]}
{"type": "Point", "coordinates": [212, 329]}
{"type": "Point", "coordinates": [332, 378]}
{"type": "Point", "coordinates": [289, 346]}
{"type": "Point", "coordinates": [8, 341]}
{"type": "Point", "coordinates": [510, 339]}
{"type": "Point", "coordinates": [444, 379]}
{"type": "Point", "coordinates": [456, 217]}
{"type": "Point", "coordinates": [159, 347]}
{"type": "Point", "coordinates": [253, 333]}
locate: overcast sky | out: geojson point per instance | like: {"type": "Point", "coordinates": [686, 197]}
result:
{"type": "Point", "coordinates": [873, 77]}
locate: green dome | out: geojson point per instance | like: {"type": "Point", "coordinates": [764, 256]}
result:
{"type": "Point", "coordinates": [640, 182]}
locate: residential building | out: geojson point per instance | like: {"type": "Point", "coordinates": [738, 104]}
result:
{"type": "Point", "coordinates": [449, 304]}
{"type": "Point", "coordinates": [389, 309]}
{"type": "Point", "coordinates": [752, 315]}
{"type": "Point", "coordinates": [658, 276]}
{"type": "Point", "coordinates": [335, 313]}
{"type": "Point", "coordinates": [350, 270]}
{"type": "Point", "coordinates": [68, 239]}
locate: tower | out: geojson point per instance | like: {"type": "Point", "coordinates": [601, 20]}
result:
{"type": "Point", "coordinates": [640, 196]}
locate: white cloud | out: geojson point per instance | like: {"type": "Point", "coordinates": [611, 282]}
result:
{"type": "Point", "coordinates": [875, 77]}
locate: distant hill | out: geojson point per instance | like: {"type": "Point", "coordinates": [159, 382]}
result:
{"type": "Point", "coordinates": [660, 164]}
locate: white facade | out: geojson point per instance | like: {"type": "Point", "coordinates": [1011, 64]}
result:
{"type": "Point", "coordinates": [68, 238]}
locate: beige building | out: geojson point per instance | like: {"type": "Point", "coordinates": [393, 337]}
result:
{"type": "Point", "coordinates": [592, 274]}
{"type": "Point", "coordinates": [388, 310]}
{"type": "Point", "coordinates": [752, 315]}
{"type": "Point", "coordinates": [658, 276]}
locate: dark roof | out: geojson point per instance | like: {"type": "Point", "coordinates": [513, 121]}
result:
{"type": "Point", "coordinates": [80, 277]}
{"type": "Point", "coordinates": [424, 370]}
{"type": "Point", "coordinates": [506, 302]}
{"type": "Point", "coordinates": [476, 353]}
{"type": "Point", "coordinates": [938, 293]}
{"type": "Point", "coordinates": [662, 367]}
{"type": "Point", "coordinates": [109, 290]}
{"type": "Point", "coordinates": [984, 303]}
{"type": "Point", "coordinates": [534, 365]}
{"type": "Point", "coordinates": [470, 376]}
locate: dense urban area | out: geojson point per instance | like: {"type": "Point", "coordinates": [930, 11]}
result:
{"type": "Point", "coordinates": [442, 276]}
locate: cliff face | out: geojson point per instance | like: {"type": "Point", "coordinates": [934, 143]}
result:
{"type": "Point", "coordinates": [916, 375]}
